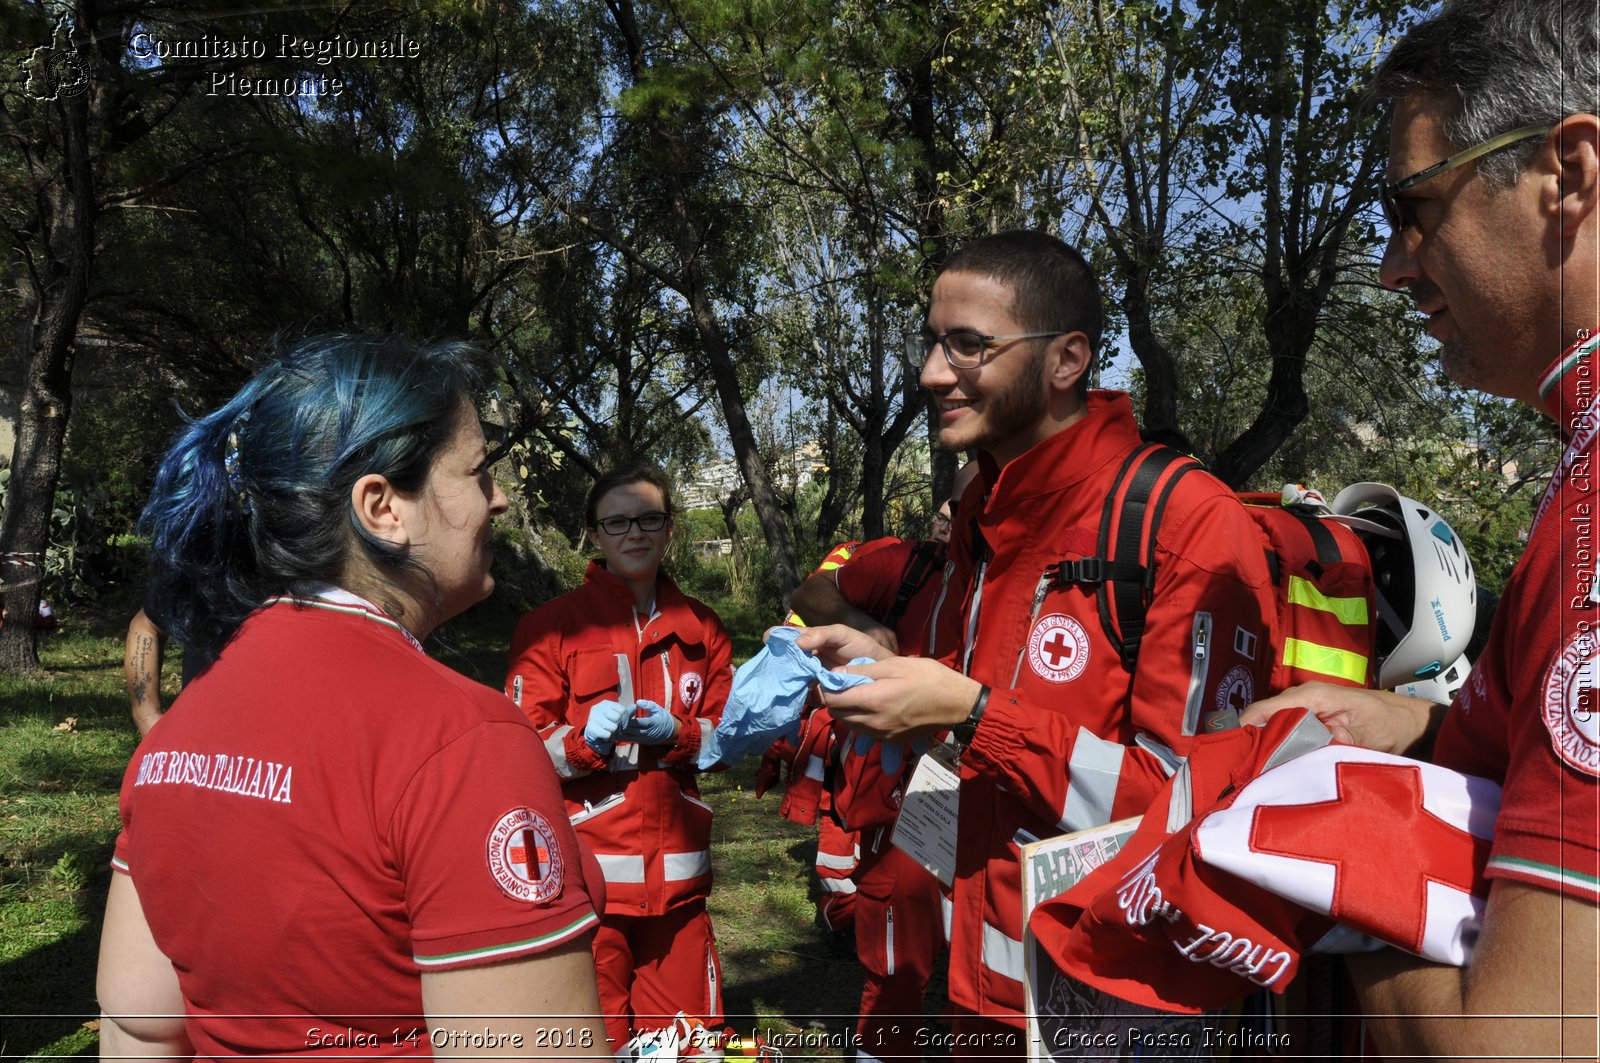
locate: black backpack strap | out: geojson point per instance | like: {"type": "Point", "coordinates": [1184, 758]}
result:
{"type": "Point", "coordinates": [925, 557]}
{"type": "Point", "coordinates": [1322, 540]}
{"type": "Point", "coordinates": [1132, 569]}
{"type": "Point", "coordinates": [1327, 546]}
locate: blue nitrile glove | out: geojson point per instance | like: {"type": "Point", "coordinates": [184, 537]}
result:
{"type": "Point", "coordinates": [605, 723]}
{"type": "Point", "coordinates": [769, 692]}
{"type": "Point", "coordinates": [893, 752]}
{"type": "Point", "coordinates": [655, 728]}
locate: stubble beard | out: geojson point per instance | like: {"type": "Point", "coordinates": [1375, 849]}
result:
{"type": "Point", "coordinates": [1014, 412]}
{"type": "Point", "coordinates": [1458, 363]}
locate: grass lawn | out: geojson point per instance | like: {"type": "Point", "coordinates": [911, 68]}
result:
{"type": "Point", "coordinates": [65, 738]}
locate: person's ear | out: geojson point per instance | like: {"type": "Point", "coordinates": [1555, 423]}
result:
{"type": "Point", "coordinates": [381, 510]}
{"type": "Point", "coordinates": [1069, 358]}
{"type": "Point", "coordinates": [1576, 141]}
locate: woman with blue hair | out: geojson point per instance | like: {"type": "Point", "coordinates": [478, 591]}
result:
{"type": "Point", "coordinates": [333, 844]}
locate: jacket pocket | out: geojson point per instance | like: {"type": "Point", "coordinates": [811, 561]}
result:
{"type": "Point", "coordinates": [592, 675]}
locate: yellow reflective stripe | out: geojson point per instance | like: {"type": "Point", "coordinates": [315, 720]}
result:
{"type": "Point", "coordinates": [1346, 610]}
{"type": "Point", "coordinates": [1325, 660]}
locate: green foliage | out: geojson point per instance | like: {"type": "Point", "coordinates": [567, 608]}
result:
{"type": "Point", "coordinates": [597, 210]}
{"type": "Point", "coordinates": [64, 745]}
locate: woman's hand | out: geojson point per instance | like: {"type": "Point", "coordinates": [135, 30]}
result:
{"type": "Point", "coordinates": [656, 727]}
{"type": "Point", "coordinates": [606, 720]}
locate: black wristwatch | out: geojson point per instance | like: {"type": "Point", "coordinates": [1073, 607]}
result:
{"type": "Point", "coordinates": [964, 730]}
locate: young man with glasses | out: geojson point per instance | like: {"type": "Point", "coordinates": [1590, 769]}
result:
{"type": "Point", "coordinates": [1058, 732]}
{"type": "Point", "coordinates": [625, 677]}
{"type": "Point", "coordinates": [1499, 247]}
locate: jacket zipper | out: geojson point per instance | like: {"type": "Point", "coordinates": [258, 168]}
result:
{"type": "Point", "coordinates": [1038, 603]}
{"type": "Point", "coordinates": [1197, 672]}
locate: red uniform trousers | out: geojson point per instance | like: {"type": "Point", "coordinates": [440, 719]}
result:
{"type": "Point", "coordinates": [838, 855]}
{"type": "Point", "coordinates": [898, 930]}
{"type": "Point", "coordinates": [649, 967]}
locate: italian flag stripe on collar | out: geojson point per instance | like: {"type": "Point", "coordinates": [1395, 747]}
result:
{"type": "Point", "coordinates": [340, 601]}
{"type": "Point", "coordinates": [1561, 368]}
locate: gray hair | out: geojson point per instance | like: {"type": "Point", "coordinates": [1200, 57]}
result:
{"type": "Point", "coordinates": [1504, 64]}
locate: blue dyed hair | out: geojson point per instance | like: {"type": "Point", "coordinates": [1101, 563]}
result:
{"type": "Point", "coordinates": [304, 430]}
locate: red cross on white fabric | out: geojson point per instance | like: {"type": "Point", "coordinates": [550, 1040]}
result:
{"type": "Point", "coordinates": [1059, 650]}
{"type": "Point", "coordinates": [534, 858]}
{"type": "Point", "coordinates": [1380, 880]}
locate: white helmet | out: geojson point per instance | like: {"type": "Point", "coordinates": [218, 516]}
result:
{"type": "Point", "coordinates": [1443, 687]}
{"type": "Point", "coordinates": [1427, 600]}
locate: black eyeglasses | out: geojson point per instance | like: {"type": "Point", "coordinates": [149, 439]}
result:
{"type": "Point", "coordinates": [963, 348]}
{"type": "Point", "coordinates": [653, 521]}
{"type": "Point", "coordinates": [1388, 194]}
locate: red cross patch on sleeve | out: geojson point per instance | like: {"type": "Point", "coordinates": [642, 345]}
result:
{"type": "Point", "coordinates": [524, 858]}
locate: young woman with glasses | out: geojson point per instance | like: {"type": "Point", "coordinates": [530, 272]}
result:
{"type": "Point", "coordinates": [625, 677]}
{"type": "Point", "coordinates": [333, 844]}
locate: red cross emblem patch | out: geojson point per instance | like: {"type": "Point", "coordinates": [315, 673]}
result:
{"type": "Point", "coordinates": [689, 687]}
{"type": "Point", "coordinates": [524, 858]}
{"type": "Point", "coordinates": [1058, 649]}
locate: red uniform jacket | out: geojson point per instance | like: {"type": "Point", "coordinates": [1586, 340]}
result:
{"type": "Point", "coordinates": [640, 810]}
{"type": "Point", "coordinates": [1071, 739]}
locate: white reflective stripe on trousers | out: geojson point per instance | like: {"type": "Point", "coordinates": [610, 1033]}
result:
{"type": "Point", "coordinates": [838, 861]}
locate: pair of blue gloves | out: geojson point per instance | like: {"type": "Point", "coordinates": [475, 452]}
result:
{"type": "Point", "coordinates": [612, 721]}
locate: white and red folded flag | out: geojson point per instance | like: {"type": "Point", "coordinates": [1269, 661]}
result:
{"type": "Point", "coordinates": [1269, 844]}
{"type": "Point", "coordinates": [1391, 847]}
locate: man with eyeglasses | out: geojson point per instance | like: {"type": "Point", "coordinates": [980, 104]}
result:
{"type": "Point", "coordinates": [1058, 733]}
{"type": "Point", "coordinates": [1498, 245]}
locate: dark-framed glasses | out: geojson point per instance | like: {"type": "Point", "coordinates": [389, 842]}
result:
{"type": "Point", "coordinates": [1389, 193]}
{"type": "Point", "coordinates": [963, 348]}
{"type": "Point", "coordinates": [653, 521]}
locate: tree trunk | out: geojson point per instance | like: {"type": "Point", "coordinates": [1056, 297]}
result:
{"type": "Point", "coordinates": [730, 507]}
{"type": "Point", "coordinates": [687, 279]}
{"type": "Point", "coordinates": [68, 226]}
{"type": "Point", "coordinates": [1160, 372]}
{"type": "Point", "coordinates": [769, 510]}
